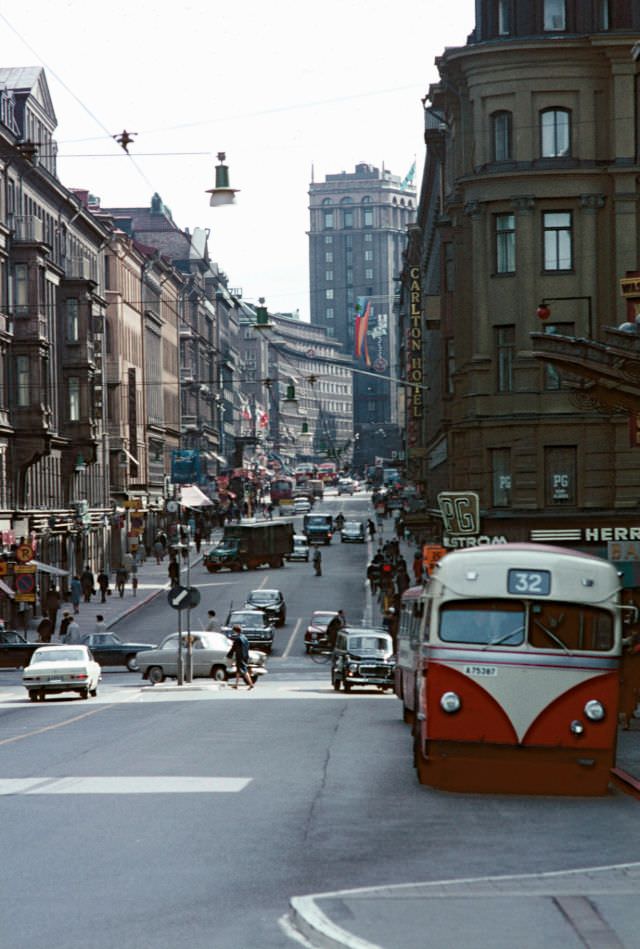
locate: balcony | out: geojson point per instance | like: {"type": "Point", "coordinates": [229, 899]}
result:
{"type": "Point", "coordinates": [28, 229]}
{"type": "Point", "coordinates": [80, 268]}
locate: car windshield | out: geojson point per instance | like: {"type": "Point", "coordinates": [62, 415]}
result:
{"type": "Point", "coordinates": [317, 521]}
{"type": "Point", "coordinates": [487, 622]}
{"type": "Point", "coordinates": [322, 619]}
{"type": "Point", "coordinates": [300, 542]}
{"type": "Point", "coordinates": [263, 596]}
{"type": "Point", "coordinates": [352, 526]}
{"type": "Point", "coordinates": [59, 655]}
{"type": "Point", "coordinates": [364, 643]}
{"type": "Point", "coordinates": [247, 619]}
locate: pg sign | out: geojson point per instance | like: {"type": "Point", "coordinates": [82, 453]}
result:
{"type": "Point", "coordinates": [460, 511]}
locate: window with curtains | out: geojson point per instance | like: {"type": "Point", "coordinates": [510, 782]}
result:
{"type": "Point", "coordinates": [555, 133]}
{"type": "Point", "coordinates": [554, 15]}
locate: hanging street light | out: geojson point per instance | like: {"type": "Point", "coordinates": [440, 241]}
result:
{"type": "Point", "coordinates": [262, 317]}
{"type": "Point", "coordinates": [222, 193]}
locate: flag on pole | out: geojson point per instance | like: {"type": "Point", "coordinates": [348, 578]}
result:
{"type": "Point", "coordinates": [407, 181]}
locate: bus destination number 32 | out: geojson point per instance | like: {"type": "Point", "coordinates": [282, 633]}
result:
{"type": "Point", "coordinates": [529, 582]}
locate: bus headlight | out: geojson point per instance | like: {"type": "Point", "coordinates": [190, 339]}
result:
{"type": "Point", "coordinates": [594, 710]}
{"type": "Point", "coordinates": [577, 727]}
{"type": "Point", "coordinates": [450, 702]}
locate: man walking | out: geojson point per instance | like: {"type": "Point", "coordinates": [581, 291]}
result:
{"type": "Point", "coordinates": [239, 652]}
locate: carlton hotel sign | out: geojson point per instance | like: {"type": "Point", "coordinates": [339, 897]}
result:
{"type": "Point", "coordinates": [414, 351]}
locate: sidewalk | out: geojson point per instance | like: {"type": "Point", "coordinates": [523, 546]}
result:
{"type": "Point", "coordinates": [153, 580]}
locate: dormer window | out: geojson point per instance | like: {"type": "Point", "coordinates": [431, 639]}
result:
{"type": "Point", "coordinates": [555, 16]}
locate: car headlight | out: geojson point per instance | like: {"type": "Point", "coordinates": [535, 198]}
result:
{"type": "Point", "coordinates": [594, 710]}
{"type": "Point", "coordinates": [450, 702]}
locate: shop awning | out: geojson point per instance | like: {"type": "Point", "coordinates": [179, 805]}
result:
{"type": "Point", "coordinates": [7, 589]}
{"type": "Point", "coordinates": [47, 568]}
{"type": "Point", "coordinates": [192, 496]}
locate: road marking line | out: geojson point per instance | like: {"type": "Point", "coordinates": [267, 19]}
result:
{"type": "Point", "coordinates": [123, 785]}
{"type": "Point", "coordinates": [285, 654]}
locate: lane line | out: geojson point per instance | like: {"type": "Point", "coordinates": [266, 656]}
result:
{"type": "Point", "coordinates": [123, 784]}
{"type": "Point", "coordinates": [285, 654]}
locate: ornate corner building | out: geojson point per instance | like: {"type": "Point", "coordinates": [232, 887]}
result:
{"type": "Point", "coordinates": [527, 223]}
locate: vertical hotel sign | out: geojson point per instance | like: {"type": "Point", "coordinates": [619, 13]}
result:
{"type": "Point", "coordinates": [414, 353]}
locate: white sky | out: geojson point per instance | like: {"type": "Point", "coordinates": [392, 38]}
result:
{"type": "Point", "coordinates": [281, 86]}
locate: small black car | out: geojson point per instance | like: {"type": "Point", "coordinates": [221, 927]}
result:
{"type": "Point", "coordinates": [109, 650]}
{"type": "Point", "coordinates": [15, 651]}
{"type": "Point", "coordinates": [270, 602]}
{"type": "Point", "coordinates": [363, 657]}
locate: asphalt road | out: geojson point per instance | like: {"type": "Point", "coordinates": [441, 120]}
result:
{"type": "Point", "coordinates": [154, 817]}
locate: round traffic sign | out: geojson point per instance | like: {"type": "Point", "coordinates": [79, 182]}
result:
{"type": "Point", "coordinates": [24, 553]}
{"type": "Point", "coordinates": [177, 596]}
{"type": "Point", "coordinates": [25, 582]}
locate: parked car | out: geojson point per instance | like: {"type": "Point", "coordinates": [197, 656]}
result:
{"type": "Point", "coordinates": [57, 669]}
{"type": "Point", "coordinates": [15, 651]}
{"type": "Point", "coordinates": [316, 632]}
{"type": "Point", "coordinates": [209, 651]}
{"type": "Point", "coordinates": [109, 650]}
{"type": "Point", "coordinates": [345, 486]}
{"type": "Point", "coordinates": [300, 548]}
{"type": "Point", "coordinates": [255, 625]}
{"type": "Point", "coordinates": [363, 657]}
{"type": "Point", "coordinates": [270, 602]}
{"type": "Point", "coordinates": [353, 532]}
{"type": "Point", "coordinates": [301, 506]}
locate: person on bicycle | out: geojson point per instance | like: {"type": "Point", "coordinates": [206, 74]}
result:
{"type": "Point", "coordinates": [371, 527]}
{"type": "Point", "coordinates": [340, 521]}
{"type": "Point", "coordinates": [317, 562]}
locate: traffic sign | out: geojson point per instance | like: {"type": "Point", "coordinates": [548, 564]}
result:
{"type": "Point", "coordinates": [183, 598]}
{"type": "Point", "coordinates": [24, 553]}
{"type": "Point", "coordinates": [25, 582]}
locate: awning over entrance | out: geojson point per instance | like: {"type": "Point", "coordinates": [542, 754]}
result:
{"type": "Point", "coordinates": [47, 568]}
{"type": "Point", "coordinates": [192, 496]}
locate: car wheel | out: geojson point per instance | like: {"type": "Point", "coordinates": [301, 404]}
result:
{"type": "Point", "coordinates": [155, 675]}
{"type": "Point", "coordinates": [33, 695]}
{"type": "Point", "coordinates": [131, 663]}
{"type": "Point", "coordinates": [41, 695]}
{"type": "Point", "coordinates": [347, 685]}
{"type": "Point", "coordinates": [84, 693]}
{"type": "Point", "coordinates": [219, 673]}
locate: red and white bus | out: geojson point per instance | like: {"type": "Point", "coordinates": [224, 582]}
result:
{"type": "Point", "coordinates": [282, 490]}
{"type": "Point", "coordinates": [328, 472]}
{"type": "Point", "coordinates": [517, 684]}
{"type": "Point", "coordinates": [408, 641]}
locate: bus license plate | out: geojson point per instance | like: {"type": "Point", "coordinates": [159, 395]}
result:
{"type": "Point", "coordinates": [481, 671]}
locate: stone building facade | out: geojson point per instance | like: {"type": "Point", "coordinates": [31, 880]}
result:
{"type": "Point", "coordinates": [527, 221]}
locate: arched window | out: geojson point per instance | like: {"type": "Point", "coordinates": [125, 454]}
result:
{"type": "Point", "coordinates": [555, 133]}
{"type": "Point", "coordinates": [326, 201]}
{"type": "Point", "coordinates": [501, 128]}
{"type": "Point", "coordinates": [346, 201]}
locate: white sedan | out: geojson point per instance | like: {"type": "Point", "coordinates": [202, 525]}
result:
{"type": "Point", "coordinates": [56, 669]}
{"type": "Point", "coordinates": [209, 651]}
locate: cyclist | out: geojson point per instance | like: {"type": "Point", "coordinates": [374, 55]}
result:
{"type": "Point", "coordinates": [317, 562]}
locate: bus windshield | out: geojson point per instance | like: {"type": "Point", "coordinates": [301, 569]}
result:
{"type": "Point", "coordinates": [571, 627]}
{"type": "Point", "coordinates": [486, 622]}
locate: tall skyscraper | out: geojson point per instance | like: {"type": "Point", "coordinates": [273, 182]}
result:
{"type": "Point", "coordinates": [358, 227]}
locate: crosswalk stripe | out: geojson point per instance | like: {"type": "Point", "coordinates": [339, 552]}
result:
{"type": "Point", "coordinates": [165, 784]}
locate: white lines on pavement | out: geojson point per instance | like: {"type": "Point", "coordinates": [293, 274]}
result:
{"type": "Point", "coordinates": [165, 784]}
{"type": "Point", "coordinates": [285, 654]}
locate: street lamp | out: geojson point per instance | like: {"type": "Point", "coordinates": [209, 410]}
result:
{"type": "Point", "coordinates": [222, 194]}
